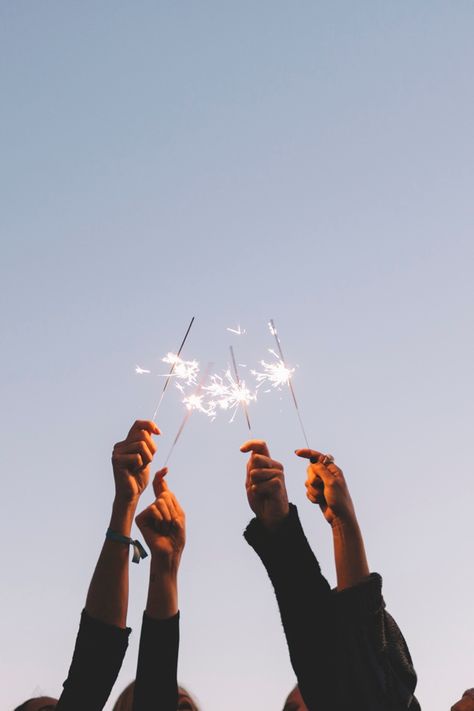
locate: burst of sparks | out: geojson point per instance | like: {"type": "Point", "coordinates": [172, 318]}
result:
{"type": "Point", "coordinates": [275, 374]}
{"type": "Point", "coordinates": [141, 371]}
{"type": "Point", "coordinates": [225, 393]}
{"type": "Point", "coordinates": [184, 370]}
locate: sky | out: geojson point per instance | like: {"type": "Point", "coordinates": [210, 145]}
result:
{"type": "Point", "coordinates": [308, 162]}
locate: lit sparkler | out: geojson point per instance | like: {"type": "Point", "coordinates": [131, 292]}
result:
{"type": "Point", "coordinates": [192, 403]}
{"type": "Point", "coordinates": [225, 392]}
{"type": "Point", "coordinates": [173, 366]}
{"type": "Point", "coordinates": [284, 367]}
{"type": "Point", "coordinates": [275, 374]}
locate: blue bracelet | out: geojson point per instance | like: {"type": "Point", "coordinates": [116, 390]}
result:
{"type": "Point", "coordinates": [138, 550]}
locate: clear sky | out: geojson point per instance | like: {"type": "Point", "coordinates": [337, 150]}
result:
{"type": "Point", "coordinates": [310, 162]}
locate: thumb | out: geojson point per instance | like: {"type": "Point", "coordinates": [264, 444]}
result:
{"type": "Point", "coordinates": [159, 484]}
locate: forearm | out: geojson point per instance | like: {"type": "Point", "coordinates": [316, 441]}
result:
{"type": "Point", "coordinates": [349, 553]}
{"type": "Point", "coordinates": [107, 599]}
{"type": "Point", "coordinates": [162, 601]}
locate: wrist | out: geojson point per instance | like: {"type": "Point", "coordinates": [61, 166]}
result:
{"type": "Point", "coordinates": [164, 566]}
{"type": "Point", "coordinates": [123, 514]}
{"type": "Point", "coordinates": [273, 522]}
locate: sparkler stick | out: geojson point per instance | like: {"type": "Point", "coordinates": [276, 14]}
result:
{"type": "Point", "coordinates": [173, 366]}
{"type": "Point", "coordinates": [192, 403]}
{"type": "Point", "coordinates": [236, 375]}
{"type": "Point", "coordinates": [274, 333]}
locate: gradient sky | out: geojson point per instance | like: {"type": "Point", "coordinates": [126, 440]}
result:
{"type": "Point", "coordinates": [310, 162]}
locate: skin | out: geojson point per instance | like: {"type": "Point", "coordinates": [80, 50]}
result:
{"type": "Point", "coordinates": [466, 703]}
{"type": "Point", "coordinates": [107, 599]}
{"type": "Point", "coordinates": [163, 526]}
{"type": "Point", "coordinates": [327, 487]}
{"type": "Point", "coordinates": [265, 484]}
{"type": "Point", "coordinates": [294, 701]}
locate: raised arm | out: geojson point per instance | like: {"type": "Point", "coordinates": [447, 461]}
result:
{"type": "Point", "coordinates": [372, 657]}
{"type": "Point", "coordinates": [302, 593]}
{"type": "Point", "coordinates": [103, 636]}
{"type": "Point", "coordinates": [326, 486]}
{"type": "Point", "coordinates": [163, 527]}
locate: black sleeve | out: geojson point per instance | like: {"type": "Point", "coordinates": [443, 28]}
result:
{"type": "Point", "coordinates": [98, 656]}
{"type": "Point", "coordinates": [378, 666]}
{"type": "Point", "coordinates": [156, 685]}
{"type": "Point", "coordinates": [304, 600]}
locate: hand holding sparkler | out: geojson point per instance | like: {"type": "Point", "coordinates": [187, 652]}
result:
{"type": "Point", "coordinates": [163, 527]}
{"type": "Point", "coordinates": [131, 460]}
{"type": "Point", "coordinates": [265, 484]}
{"type": "Point", "coordinates": [326, 486]}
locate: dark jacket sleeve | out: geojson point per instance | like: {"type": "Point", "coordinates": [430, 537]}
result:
{"type": "Point", "coordinates": [380, 665]}
{"type": "Point", "coordinates": [98, 656]}
{"type": "Point", "coordinates": [304, 598]}
{"type": "Point", "coordinates": [156, 685]}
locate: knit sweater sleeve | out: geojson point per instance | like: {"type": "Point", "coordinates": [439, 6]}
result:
{"type": "Point", "coordinates": [156, 685]}
{"type": "Point", "coordinates": [98, 656]}
{"type": "Point", "coordinates": [379, 668]}
{"type": "Point", "coordinates": [304, 598]}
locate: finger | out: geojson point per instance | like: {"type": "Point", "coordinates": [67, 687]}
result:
{"type": "Point", "coordinates": [142, 435]}
{"type": "Point", "coordinates": [138, 447]}
{"type": "Point", "coordinates": [267, 488]}
{"type": "Point", "coordinates": [315, 497]}
{"type": "Point", "coordinates": [133, 462]}
{"type": "Point", "coordinates": [259, 461]}
{"type": "Point", "coordinates": [312, 454]}
{"type": "Point", "coordinates": [258, 475]}
{"type": "Point", "coordinates": [315, 483]}
{"type": "Point", "coordinates": [159, 484]}
{"type": "Point", "coordinates": [319, 470]}
{"type": "Point", "coordinates": [147, 425]}
{"type": "Point", "coordinates": [258, 446]}
{"type": "Point", "coordinates": [162, 505]}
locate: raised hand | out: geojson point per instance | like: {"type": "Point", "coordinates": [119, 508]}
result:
{"type": "Point", "coordinates": [265, 484]}
{"type": "Point", "coordinates": [163, 524]}
{"type": "Point", "coordinates": [326, 486]}
{"type": "Point", "coordinates": [131, 460]}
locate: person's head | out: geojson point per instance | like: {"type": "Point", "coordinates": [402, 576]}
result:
{"type": "Point", "coordinates": [40, 703]}
{"type": "Point", "coordinates": [125, 700]}
{"type": "Point", "coordinates": [294, 701]}
{"type": "Point", "coordinates": [466, 703]}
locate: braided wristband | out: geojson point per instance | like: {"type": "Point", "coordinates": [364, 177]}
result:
{"type": "Point", "coordinates": [138, 550]}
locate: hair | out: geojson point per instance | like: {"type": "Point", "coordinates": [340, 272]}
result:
{"type": "Point", "coordinates": [125, 700]}
{"type": "Point", "coordinates": [23, 706]}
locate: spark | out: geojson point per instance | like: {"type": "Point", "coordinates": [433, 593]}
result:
{"type": "Point", "coordinates": [238, 331]}
{"type": "Point", "coordinates": [185, 370]}
{"type": "Point", "coordinates": [141, 371]}
{"type": "Point", "coordinates": [226, 393]}
{"type": "Point", "coordinates": [172, 369]}
{"type": "Point", "coordinates": [275, 374]}
{"type": "Point", "coordinates": [192, 402]}
{"type": "Point", "coordinates": [274, 332]}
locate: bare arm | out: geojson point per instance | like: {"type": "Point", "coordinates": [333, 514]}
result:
{"type": "Point", "coordinates": [326, 486]}
{"type": "Point", "coordinates": [107, 599]}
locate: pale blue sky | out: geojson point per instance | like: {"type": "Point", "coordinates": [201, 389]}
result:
{"type": "Point", "coordinates": [310, 162]}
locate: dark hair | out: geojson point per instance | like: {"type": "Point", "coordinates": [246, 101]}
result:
{"type": "Point", "coordinates": [23, 706]}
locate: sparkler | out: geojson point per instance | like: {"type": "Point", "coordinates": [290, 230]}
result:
{"type": "Point", "coordinates": [174, 364]}
{"type": "Point", "coordinates": [226, 393]}
{"type": "Point", "coordinates": [141, 371]}
{"type": "Point", "coordinates": [282, 368]}
{"type": "Point", "coordinates": [192, 402]}
{"type": "Point", "coordinates": [243, 392]}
